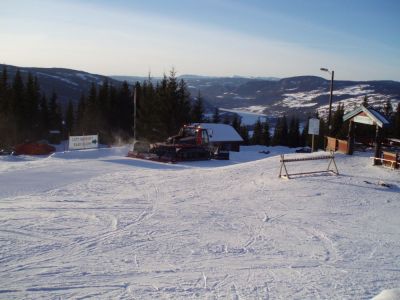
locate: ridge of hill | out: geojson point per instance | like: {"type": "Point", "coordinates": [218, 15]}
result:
{"type": "Point", "coordinates": [274, 97]}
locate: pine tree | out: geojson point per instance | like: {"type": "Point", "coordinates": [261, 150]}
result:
{"type": "Point", "coordinates": [388, 108]}
{"type": "Point", "coordinates": [184, 106]}
{"type": "Point", "coordinates": [148, 111]}
{"type": "Point", "coordinates": [323, 129]}
{"type": "Point", "coordinates": [257, 133]}
{"type": "Point", "coordinates": [244, 133]}
{"type": "Point", "coordinates": [198, 109]}
{"type": "Point", "coordinates": [365, 101]}
{"type": "Point", "coordinates": [80, 115]}
{"type": "Point", "coordinates": [44, 120]}
{"type": "Point", "coordinates": [236, 122]}
{"type": "Point", "coordinates": [91, 118]}
{"type": "Point", "coordinates": [18, 105]}
{"type": "Point", "coordinates": [266, 135]}
{"type": "Point", "coordinates": [277, 136]}
{"type": "Point", "coordinates": [69, 118]}
{"type": "Point", "coordinates": [396, 125]}
{"type": "Point", "coordinates": [304, 139]}
{"type": "Point", "coordinates": [31, 109]}
{"type": "Point", "coordinates": [293, 133]}
{"type": "Point", "coordinates": [280, 136]}
{"type": "Point", "coordinates": [54, 113]}
{"type": "Point", "coordinates": [216, 118]}
{"type": "Point", "coordinates": [4, 80]}
{"type": "Point", "coordinates": [226, 120]}
{"type": "Point", "coordinates": [8, 122]}
{"type": "Point", "coordinates": [125, 108]}
{"type": "Point", "coordinates": [284, 136]}
{"type": "Point", "coordinates": [337, 121]}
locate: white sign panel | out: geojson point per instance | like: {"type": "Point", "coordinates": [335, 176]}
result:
{"type": "Point", "coordinates": [83, 142]}
{"type": "Point", "coordinates": [363, 120]}
{"type": "Point", "coordinates": [313, 126]}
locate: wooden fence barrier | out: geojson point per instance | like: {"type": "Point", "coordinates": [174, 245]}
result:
{"type": "Point", "coordinates": [330, 157]}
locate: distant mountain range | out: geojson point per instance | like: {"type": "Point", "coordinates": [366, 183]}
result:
{"type": "Point", "coordinates": [271, 96]}
{"type": "Point", "coordinates": [68, 84]}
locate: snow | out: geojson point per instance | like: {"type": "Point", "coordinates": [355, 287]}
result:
{"type": "Point", "coordinates": [250, 114]}
{"type": "Point", "coordinates": [95, 224]}
{"type": "Point", "coordinates": [393, 294]}
{"type": "Point", "coordinates": [62, 78]}
{"type": "Point", "coordinates": [301, 99]}
{"type": "Point", "coordinates": [221, 132]}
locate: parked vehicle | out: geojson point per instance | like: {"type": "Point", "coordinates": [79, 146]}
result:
{"type": "Point", "coordinates": [192, 143]}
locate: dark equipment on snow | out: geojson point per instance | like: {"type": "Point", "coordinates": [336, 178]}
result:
{"type": "Point", "coordinates": [192, 143]}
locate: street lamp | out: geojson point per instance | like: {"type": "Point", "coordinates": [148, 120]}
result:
{"type": "Point", "coordinates": [330, 98]}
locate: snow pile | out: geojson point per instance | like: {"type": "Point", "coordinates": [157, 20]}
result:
{"type": "Point", "coordinates": [97, 224]}
{"type": "Point", "coordinates": [393, 294]}
{"type": "Point", "coordinates": [221, 132]}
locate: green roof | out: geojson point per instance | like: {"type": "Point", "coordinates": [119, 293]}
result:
{"type": "Point", "coordinates": [374, 115]}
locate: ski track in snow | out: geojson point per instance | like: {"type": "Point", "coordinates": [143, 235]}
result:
{"type": "Point", "coordinates": [112, 227]}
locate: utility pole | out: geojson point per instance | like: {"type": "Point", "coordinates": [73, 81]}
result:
{"type": "Point", "coordinates": [134, 117]}
{"type": "Point", "coordinates": [330, 103]}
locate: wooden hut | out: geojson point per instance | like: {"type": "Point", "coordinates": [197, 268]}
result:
{"type": "Point", "coordinates": [367, 116]}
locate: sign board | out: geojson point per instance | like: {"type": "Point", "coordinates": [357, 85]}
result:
{"type": "Point", "coordinates": [83, 142]}
{"type": "Point", "coordinates": [313, 126]}
{"type": "Point", "coordinates": [363, 120]}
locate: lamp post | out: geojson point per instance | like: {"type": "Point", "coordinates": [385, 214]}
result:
{"type": "Point", "coordinates": [330, 97]}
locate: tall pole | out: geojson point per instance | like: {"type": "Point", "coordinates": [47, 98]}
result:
{"type": "Point", "coordinates": [134, 115]}
{"type": "Point", "coordinates": [330, 103]}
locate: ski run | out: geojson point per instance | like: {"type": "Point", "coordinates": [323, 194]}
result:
{"type": "Point", "coordinates": [95, 224]}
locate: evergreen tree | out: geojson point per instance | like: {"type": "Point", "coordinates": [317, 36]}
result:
{"type": "Point", "coordinates": [148, 111]}
{"type": "Point", "coordinates": [266, 135]}
{"type": "Point", "coordinates": [4, 91]}
{"type": "Point", "coordinates": [244, 133]}
{"type": "Point", "coordinates": [293, 133]}
{"type": "Point", "coordinates": [304, 139]}
{"type": "Point", "coordinates": [337, 121]}
{"type": "Point", "coordinates": [125, 108]}
{"type": "Point", "coordinates": [388, 108]}
{"type": "Point", "coordinates": [284, 139]}
{"type": "Point", "coordinates": [216, 118]}
{"type": "Point", "coordinates": [396, 123]}
{"type": "Point", "coordinates": [184, 106]}
{"type": "Point", "coordinates": [323, 130]}
{"type": "Point", "coordinates": [365, 101]}
{"type": "Point", "coordinates": [80, 115]}
{"type": "Point", "coordinates": [54, 113]}
{"type": "Point", "coordinates": [91, 117]}
{"type": "Point", "coordinates": [31, 109]}
{"type": "Point", "coordinates": [236, 122]}
{"type": "Point", "coordinates": [280, 136]}
{"type": "Point", "coordinates": [18, 106]}
{"type": "Point", "coordinates": [8, 122]}
{"type": "Point", "coordinates": [256, 139]}
{"type": "Point", "coordinates": [277, 136]}
{"type": "Point", "coordinates": [4, 80]}
{"type": "Point", "coordinates": [198, 110]}
{"type": "Point", "coordinates": [44, 120]}
{"type": "Point", "coordinates": [69, 118]}
{"type": "Point", "coordinates": [226, 120]}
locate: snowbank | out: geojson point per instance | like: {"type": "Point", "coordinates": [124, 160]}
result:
{"type": "Point", "coordinates": [393, 294]}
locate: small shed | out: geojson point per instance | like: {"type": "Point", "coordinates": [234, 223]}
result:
{"type": "Point", "coordinates": [367, 116]}
{"type": "Point", "coordinates": [223, 135]}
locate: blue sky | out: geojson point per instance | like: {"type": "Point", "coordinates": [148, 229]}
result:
{"type": "Point", "coordinates": [358, 39]}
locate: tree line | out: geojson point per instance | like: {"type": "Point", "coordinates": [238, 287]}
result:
{"type": "Point", "coordinates": [162, 108]}
{"type": "Point", "coordinates": [25, 112]}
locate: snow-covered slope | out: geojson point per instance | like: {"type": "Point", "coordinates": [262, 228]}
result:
{"type": "Point", "coordinates": [96, 224]}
